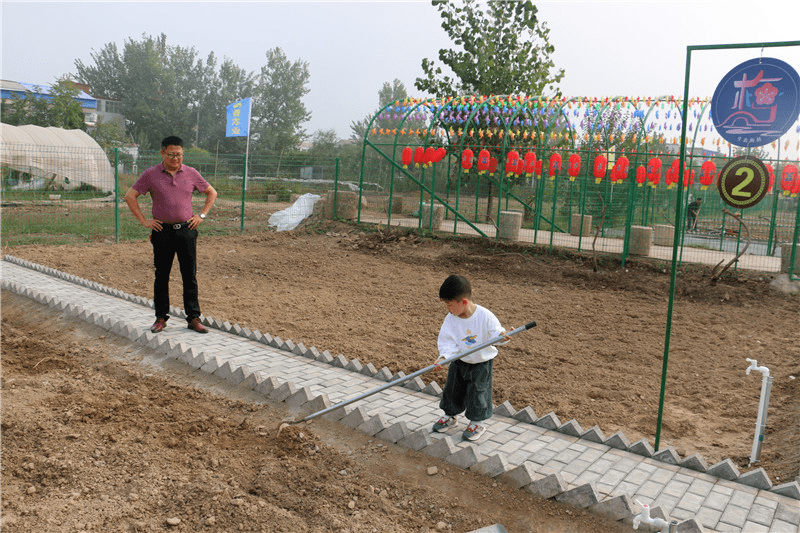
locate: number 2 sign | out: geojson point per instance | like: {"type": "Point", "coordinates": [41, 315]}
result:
{"type": "Point", "coordinates": [743, 182]}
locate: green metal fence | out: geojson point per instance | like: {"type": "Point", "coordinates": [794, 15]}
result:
{"type": "Point", "coordinates": [36, 210]}
{"type": "Point", "coordinates": [426, 155]}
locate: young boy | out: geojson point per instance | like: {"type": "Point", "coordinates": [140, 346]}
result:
{"type": "Point", "coordinates": [469, 380]}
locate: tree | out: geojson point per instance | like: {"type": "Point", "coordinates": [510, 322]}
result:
{"type": "Point", "coordinates": [390, 92]}
{"type": "Point", "coordinates": [278, 109]}
{"type": "Point", "coordinates": [505, 50]}
{"type": "Point", "coordinates": [160, 86]}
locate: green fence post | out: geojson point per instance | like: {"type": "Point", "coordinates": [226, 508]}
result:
{"type": "Point", "coordinates": [116, 195]}
{"type": "Point", "coordinates": [244, 190]}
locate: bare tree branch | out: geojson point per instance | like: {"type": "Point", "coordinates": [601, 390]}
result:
{"type": "Point", "coordinates": [716, 273]}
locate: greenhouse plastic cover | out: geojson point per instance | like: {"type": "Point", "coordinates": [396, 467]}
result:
{"type": "Point", "coordinates": [291, 217]}
{"type": "Point", "coordinates": [64, 157]}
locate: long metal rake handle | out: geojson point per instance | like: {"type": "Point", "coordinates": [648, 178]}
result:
{"type": "Point", "coordinates": [425, 370]}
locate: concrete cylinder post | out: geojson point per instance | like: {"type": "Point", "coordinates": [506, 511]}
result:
{"type": "Point", "coordinates": [786, 256]}
{"type": "Point", "coordinates": [576, 228]}
{"type": "Point", "coordinates": [641, 238]}
{"type": "Point", "coordinates": [663, 235]}
{"type": "Point", "coordinates": [509, 225]}
{"type": "Point", "coordinates": [437, 213]}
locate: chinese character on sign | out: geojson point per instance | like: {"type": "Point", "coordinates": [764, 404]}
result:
{"type": "Point", "coordinates": [238, 117]}
{"type": "Point", "coordinates": [756, 102]}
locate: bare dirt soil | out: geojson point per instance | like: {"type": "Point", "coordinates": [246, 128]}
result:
{"type": "Point", "coordinates": [596, 355]}
{"type": "Point", "coordinates": [96, 439]}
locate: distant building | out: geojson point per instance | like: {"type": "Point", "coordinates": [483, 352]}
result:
{"type": "Point", "coordinates": [11, 90]}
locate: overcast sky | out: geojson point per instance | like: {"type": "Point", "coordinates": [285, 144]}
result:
{"type": "Point", "coordinates": [635, 48]}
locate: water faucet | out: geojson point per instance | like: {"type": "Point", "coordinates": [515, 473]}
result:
{"type": "Point", "coordinates": [644, 517]}
{"type": "Point", "coordinates": [754, 366]}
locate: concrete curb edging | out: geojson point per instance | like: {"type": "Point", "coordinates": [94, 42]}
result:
{"type": "Point", "coordinates": [294, 397]}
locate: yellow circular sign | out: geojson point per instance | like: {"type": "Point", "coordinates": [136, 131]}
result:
{"type": "Point", "coordinates": [743, 182]}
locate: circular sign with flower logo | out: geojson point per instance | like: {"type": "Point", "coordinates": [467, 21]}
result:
{"type": "Point", "coordinates": [756, 102]}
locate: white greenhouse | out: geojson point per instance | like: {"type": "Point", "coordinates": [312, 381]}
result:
{"type": "Point", "coordinates": [54, 158]}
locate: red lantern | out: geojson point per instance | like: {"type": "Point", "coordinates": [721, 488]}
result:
{"type": "Point", "coordinates": [492, 165]}
{"type": "Point", "coordinates": [688, 177]}
{"type": "Point", "coordinates": [620, 170]}
{"type": "Point", "coordinates": [707, 171]}
{"type": "Point", "coordinates": [573, 166]}
{"type": "Point", "coordinates": [530, 163]}
{"type": "Point", "coordinates": [466, 160]}
{"type": "Point", "coordinates": [641, 176]}
{"type": "Point", "coordinates": [483, 161]}
{"type": "Point", "coordinates": [771, 176]}
{"type": "Point", "coordinates": [654, 171]}
{"type": "Point", "coordinates": [419, 156]}
{"type": "Point", "coordinates": [539, 168]}
{"type": "Point", "coordinates": [790, 180]}
{"type": "Point", "coordinates": [430, 153]}
{"type": "Point", "coordinates": [406, 156]}
{"type": "Point", "coordinates": [512, 160]}
{"type": "Point", "coordinates": [555, 166]}
{"type": "Point", "coordinates": [672, 174]}
{"type": "Point", "coordinates": [439, 154]}
{"type": "Point", "coordinates": [599, 168]}
{"type": "Point", "coordinates": [520, 168]}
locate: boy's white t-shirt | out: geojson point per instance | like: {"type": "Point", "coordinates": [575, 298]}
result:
{"type": "Point", "coordinates": [458, 335]}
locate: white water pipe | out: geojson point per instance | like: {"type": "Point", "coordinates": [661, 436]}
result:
{"type": "Point", "coordinates": [644, 518]}
{"type": "Point", "coordinates": [763, 405]}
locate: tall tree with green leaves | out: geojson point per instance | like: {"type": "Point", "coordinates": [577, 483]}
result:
{"type": "Point", "coordinates": [278, 110]}
{"type": "Point", "coordinates": [503, 49]}
{"type": "Point", "coordinates": [390, 92]}
{"type": "Point", "coordinates": [160, 86]}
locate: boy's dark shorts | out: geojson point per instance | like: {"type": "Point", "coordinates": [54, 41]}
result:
{"type": "Point", "coordinates": [468, 388]}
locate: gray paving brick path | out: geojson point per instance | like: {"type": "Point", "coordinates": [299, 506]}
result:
{"type": "Point", "coordinates": [584, 470]}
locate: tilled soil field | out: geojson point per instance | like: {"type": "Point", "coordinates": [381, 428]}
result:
{"type": "Point", "coordinates": [596, 355]}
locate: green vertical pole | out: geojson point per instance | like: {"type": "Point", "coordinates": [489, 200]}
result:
{"type": "Point", "coordinates": [675, 244]}
{"type": "Point", "coordinates": [244, 188]}
{"type": "Point", "coordinates": [116, 195]}
{"type": "Point", "coordinates": [793, 250]}
{"type": "Point", "coordinates": [336, 192]}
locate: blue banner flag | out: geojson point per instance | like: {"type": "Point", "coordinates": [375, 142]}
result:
{"type": "Point", "coordinates": [238, 113]}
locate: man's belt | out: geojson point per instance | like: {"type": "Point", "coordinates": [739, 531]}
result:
{"type": "Point", "coordinates": [177, 226]}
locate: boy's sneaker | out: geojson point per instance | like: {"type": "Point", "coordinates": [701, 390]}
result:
{"type": "Point", "coordinates": [444, 423]}
{"type": "Point", "coordinates": [474, 431]}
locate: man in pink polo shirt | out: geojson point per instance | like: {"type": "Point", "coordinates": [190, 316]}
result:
{"type": "Point", "coordinates": [173, 227]}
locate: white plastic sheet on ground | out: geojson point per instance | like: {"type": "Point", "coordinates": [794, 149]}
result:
{"type": "Point", "coordinates": [291, 217]}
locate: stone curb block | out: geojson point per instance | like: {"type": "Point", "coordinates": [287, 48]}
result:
{"type": "Point", "coordinates": [319, 403]}
{"type": "Point", "coordinates": [548, 486]}
{"type": "Point", "coordinates": [355, 418]}
{"type": "Point", "coordinates": [548, 421]}
{"type": "Point", "coordinates": [724, 469]}
{"type": "Point", "coordinates": [283, 392]}
{"type": "Point", "coordinates": [757, 478]}
{"type": "Point", "coordinates": [394, 433]}
{"type": "Point", "coordinates": [526, 415]}
{"type": "Point", "coordinates": [416, 440]}
{"type": "Point", "coordinates": [667, 455]}
{"type": "Point", "coordinates": [519, 477]}
{"type": "Point", "coordinates": [465, 458]}
{"type": "Point", "coordinates": [581, 497]}
{"type": "Point", "coordinates": [441, 448]}
{"type": "Point", "coordinates": [641, 447]}
{"type": "Point", "coordinates": [267, 385]}
{"type": "Point", "coordinates": [617, 508]}
{"type": "Point", "coordinates": [375, 425]}
{"type": "Point", "coordinates": [695, 462]}
{"type": "Point", "coordinates": [505, 409]}
{"type": "Point", "coordinates": [213, 362]}
{"type": "Point", "coordinates": [300, 398]}
{"type": "Point", "coordinates": [493, 466]}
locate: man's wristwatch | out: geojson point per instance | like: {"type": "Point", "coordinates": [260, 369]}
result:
{"type": "Point", "coordinates": [202, 216]}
